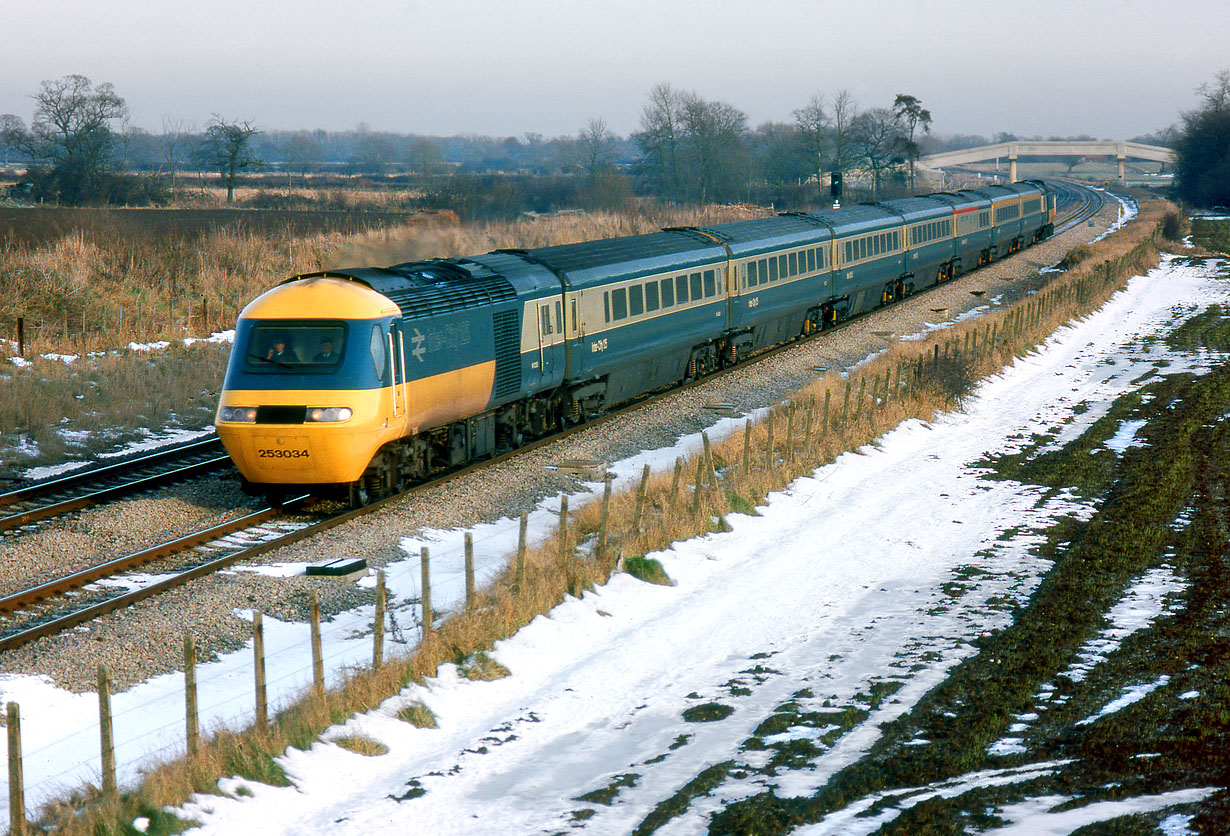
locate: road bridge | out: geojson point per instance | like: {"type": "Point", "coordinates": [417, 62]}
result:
{"type": "Point", "coordinates": [1063, 148]}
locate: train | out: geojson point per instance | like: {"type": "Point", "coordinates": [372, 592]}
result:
{"type": "Point", "coordinates": [352, 383]}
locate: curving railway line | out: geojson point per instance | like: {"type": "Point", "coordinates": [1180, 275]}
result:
{"type": "Point", "coordinates": [59, 604]}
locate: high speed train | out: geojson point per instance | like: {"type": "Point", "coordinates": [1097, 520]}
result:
{"type": "Point", "coordinates": [352, 382]}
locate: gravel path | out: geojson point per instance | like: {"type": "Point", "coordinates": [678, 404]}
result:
{"type": "Point", "coordinates": [135, 644]}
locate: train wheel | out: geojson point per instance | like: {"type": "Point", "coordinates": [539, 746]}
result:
{"type": "Point", "coordinates": [359, 495]}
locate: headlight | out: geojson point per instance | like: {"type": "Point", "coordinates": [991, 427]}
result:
{"type": "Point", "coordinates": [329, 414]}
{"type": "Point", "coordinates": [244, 414]}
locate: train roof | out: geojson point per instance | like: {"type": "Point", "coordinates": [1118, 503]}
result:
{"type": "Point", "coordinates": [918, 208]}
{"type": "Point", "coordinates": [763, 234]}
{"type": "Point", "coordinates": [427, 288]}
{"type": "Point", "coordinates": [594, 262]}
{"type": "Point", "coordinates": [854, 219]}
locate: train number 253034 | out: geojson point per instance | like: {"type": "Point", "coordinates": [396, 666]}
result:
{"type": "Point", "coordinates": [265, 453]}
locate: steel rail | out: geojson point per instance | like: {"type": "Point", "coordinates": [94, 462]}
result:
{"type": "Point", "coordinates": [66, 506]}
{"type": "Point", "coordinates": [91, 474]}
{"type": "Point", "coordinates": [34, 595]}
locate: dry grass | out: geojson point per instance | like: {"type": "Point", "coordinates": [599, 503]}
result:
{"type": "Point", "coordinates": [418, 715]}
{"type": "Point", "coordinates": [69, 409]}
{"type": "Point", "coordinates": [831, 416]}
{"type": "Point", "coordinates": [361, 745]}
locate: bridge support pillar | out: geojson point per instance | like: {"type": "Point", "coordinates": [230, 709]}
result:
{"type": "Point", "coordinates": [1012, 169]}
{"type": "Point", "coordinates": [1122, 175]}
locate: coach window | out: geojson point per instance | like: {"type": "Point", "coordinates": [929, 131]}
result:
{"type": "Point", "coordinates": [606, 306]}
{"type": "Point", "coordinates": [782, 267]}
{"type": "Point", "coordinates": [772, 269]}
{"type": "Point", "coordinates": [636, 300]}
{"type": "Point", "coordinates": [794, 264]}
{"type": "Point", "coordinates": [544, 319]}
{"type": "Point", "coordinates": [668, 292]}
{"type": "Point", "coordinates": [710, 283]}
{"type": "Point", "coordinates": [751, 274]}
{"type": "Point", "coordinates": [811, 261]}
{"type": "Point", "coordinates": [619, 304]}
{"type": "Point", "coordinates": [681, 289]}
{"type": "Point", "coordinates": [695, 287]}
{"type": "Point", "coordinates": [651, 296]}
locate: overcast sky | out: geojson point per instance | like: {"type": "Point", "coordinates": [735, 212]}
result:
{"type": "Point", "coordinates": [1110, 68]}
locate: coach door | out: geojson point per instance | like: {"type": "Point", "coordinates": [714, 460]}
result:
{"type": "Point", "coordinates": [397, 348]}
{"type": "Point", "coordinates": [550, 338]}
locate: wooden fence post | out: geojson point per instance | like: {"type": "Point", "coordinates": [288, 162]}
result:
{"type": "Point", "coordinates": [21, 336]}
{"type": "Point", "coordinates": [712, 471]}
{"type": "Point", "coordinates": [469, 570]}
{"type": "Point", "coordinates": [258, 670]}
{"type": "Point", "coordinates": [318, 661]}
{"type": "Point", "coordinates": [192, 726]}
{"type": "Point", "coordinates": [378, 623]}
{"type": "Point", "coordinates": [425, 592]}
{"type": "Point", "coordinates": [768, 447]}
{"type": "Point", "coordinates": [790, 433]}
{"type": "Point", "coordinates": [603, 527]}
{"type": "Point", "coordinates": [106, 733]}
{"type": "Point", "coordinates": [676, 480]}
{"type": "Point", "coordinates": [639, 514]}
{"type": "Point", "coordinates": [747, 446]}
{"type": "Point", "coordinates": [700, 484]}
{"type": "Point", "coordinates": [17, 788]}
{"type": "Point", "coordinates": [520, 577]}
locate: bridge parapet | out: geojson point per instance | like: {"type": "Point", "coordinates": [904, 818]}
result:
{"type": "Point", "coordinates": [1062, 148]}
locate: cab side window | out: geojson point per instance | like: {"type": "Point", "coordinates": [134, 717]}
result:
{"type": "Point", "coordinates": [379, 352]}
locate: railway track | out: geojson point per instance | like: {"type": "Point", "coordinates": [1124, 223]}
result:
{"type": "Point", "coordinates": [1089, 203]}
{"type": "Point", "coordinates": [55, 606]}
{"type": "Point", "coordinates": [31, 504]}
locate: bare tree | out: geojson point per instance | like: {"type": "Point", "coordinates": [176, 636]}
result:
{"type": "Point", "coordinates": [227, 147]}
{"type": "Point", "coordinates": [71, 133]}
{"type": "Point", "coordinates": [880, 138]}
{"type": "Point", "coordinates": [12, 134]}
{"type": "Point", "coordinates": [813, 125]}
{"type": "Point", "coordinates": [176, 135]}
{"type": "Point", "coordinates": [715, 147]}
{"type": "Point", "coordinates": [844, 148]}
{"type": "Point", "coordinates": [595, 148]}
{"type": "Point", "coordinates": [912, 114]}
{"type": "Point", "coordinates": [425, 157]}
{"type": "Point", "coordinates": [660, 140]}
{"type": "Point", "coordinates": [1216, 95]}
{"type": "Point", "coordinates": [372, 153]}
{"type": "Point", "coordinates": [780, 156]}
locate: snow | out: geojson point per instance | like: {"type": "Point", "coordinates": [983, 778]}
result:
{"type": "Point", "coordinates": [837, 584]}
{"type": "Point", "coordinates": [152, 441]}
{"type": "Point", "coordinates": [1037, 817]}
{"type": "Point", "coordinates": [1136, 693]}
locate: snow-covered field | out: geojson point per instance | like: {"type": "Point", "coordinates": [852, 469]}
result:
{"type": "Point", "coordinates": [838, 584]}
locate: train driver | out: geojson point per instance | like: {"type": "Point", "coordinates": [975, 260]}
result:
{"type": "Point", "coordinates": [281, 352]}
{"type": "Point", "coordinates": [326, 353]}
